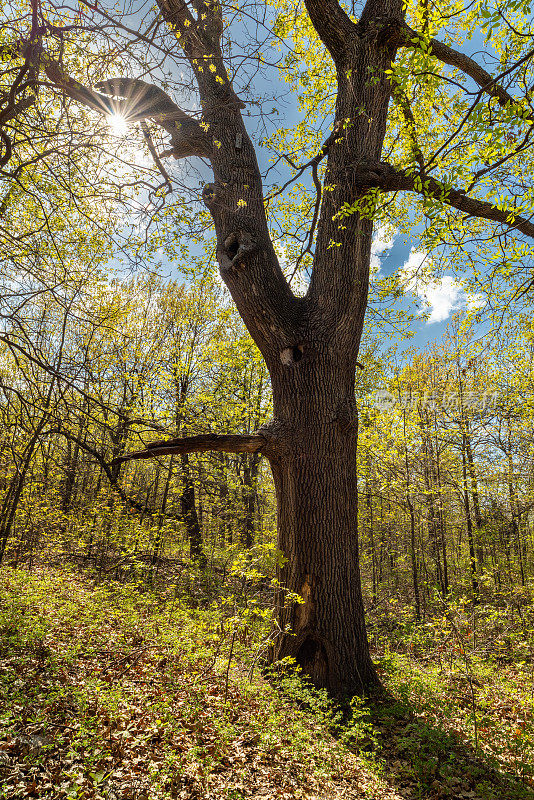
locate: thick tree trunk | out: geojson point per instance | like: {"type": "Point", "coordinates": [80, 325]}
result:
{"type": "Point", "coordinates": [71, 466]}
{"type": "Point", "coordinates": [313, 459]}
{"type": "Point", "coordinates": [310, 344]}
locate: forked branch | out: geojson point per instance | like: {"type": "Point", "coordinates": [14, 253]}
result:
{"type": "Point", "coordinates": [333, 25]}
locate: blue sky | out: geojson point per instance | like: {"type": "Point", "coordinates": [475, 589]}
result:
{"type": "Point", "coordinates": [432, 300]}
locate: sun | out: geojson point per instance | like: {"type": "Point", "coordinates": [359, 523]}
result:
{"type": "Point", "coordinates": [118, 125]}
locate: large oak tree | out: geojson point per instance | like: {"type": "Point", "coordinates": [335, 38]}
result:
{"type": "Point", "coordinates": [310, 343]}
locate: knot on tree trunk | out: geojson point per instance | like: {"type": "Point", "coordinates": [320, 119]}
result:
{"type": "Point", "coordinates": [347, 416]}
{"type": "Point", "coordinates": [277, 436]}
{"type": "Point", "coordinates": [290, 356]}
{"type": "Point", "coordinates": [386, 28]}
{"type": "Point", "coordinates": [211, 195]}
{"type": "Point", "coordinates": [236, 247]}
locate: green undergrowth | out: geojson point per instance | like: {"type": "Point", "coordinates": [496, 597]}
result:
{"type": "Point", "coordinates": [111, 690]}
{"type": "Point", "coordinates": [462, 720]}
{"type": "Point", "coordinates": [117, 691]}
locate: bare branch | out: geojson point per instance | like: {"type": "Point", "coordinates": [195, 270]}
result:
{"type": "Point", "coordinates": [199, 444]}
{"type": "Point", "coordinates": [153, 152]}
{"type": "Point", "coordinates": [12, 111]}
{"type": "Point", "coordinates": [111, 470]}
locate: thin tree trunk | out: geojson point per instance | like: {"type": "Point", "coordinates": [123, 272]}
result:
{"type": "Point", "coordinates": [442, 524]}
{"type": "Point", "coordinates": [434, 529]}
{"type": "Point", "coordinates": [413, 558]}
{"type": "Point", "coordinates": [371, 538]}
{"type": "Point", "coordinates": [515, 529]}
{"type": "Point", "coordinates": [189, 514]}
{"type": "Point", "coordinates": [469, 523]}
{"type": "Point", "coordinates": [224, 528]}
{"type": "Point", "coordinates": [14, 494]}
{"type": "Point", "coordinates": [413, 554]}
{"type": "Point", "coordinates": [475, 499]}
{"type": "Point", "coordinates": [251, 463]}
{"type": "Point", "coordinates": [72, 465]}
{"type": "Point", "coordinates": [163, 508]}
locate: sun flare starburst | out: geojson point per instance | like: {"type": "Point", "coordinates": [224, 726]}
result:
{"type": "Point", "coordinates": [118, 124]}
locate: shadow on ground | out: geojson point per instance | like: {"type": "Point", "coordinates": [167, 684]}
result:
{"type": "Point", "coordinates": [420, 760]}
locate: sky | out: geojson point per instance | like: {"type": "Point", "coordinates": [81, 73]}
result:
{"type": "Point", "coordinates": [432, 299]}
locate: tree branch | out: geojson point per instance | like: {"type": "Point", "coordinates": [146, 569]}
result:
{"type": "Point", "coordinates": [447, 55]}
{"type": "Point", "coordinates": [136, 101]}
{"type": "Point", "coordinates": [200, 39]}
{"type": "Point", "coordinates": [333, 25]}
{"type": "Point", "coordinates": [153, 152]}
{"type": "Point", "coordinates": [107, 468]}
{"type": "Point", "coordinates": [12, 111]}
{"type": "Point", "coordinates": [198, 444]}
{"type": "Point", "coordinates": [383, 176]}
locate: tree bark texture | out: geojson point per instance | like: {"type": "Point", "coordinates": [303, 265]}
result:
{"type": "Point", "coordinates": [314, 467]}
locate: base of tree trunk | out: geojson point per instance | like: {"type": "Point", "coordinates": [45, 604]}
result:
{"type": "Point", "coordinates": [317, 497]}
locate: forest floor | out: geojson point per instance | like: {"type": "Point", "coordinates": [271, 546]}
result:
{"type": "Point", "coordinates": [114, 691]}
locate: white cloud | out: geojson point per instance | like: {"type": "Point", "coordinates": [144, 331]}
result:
{"type": "Point", "coordinates": [439, 296]}
{"type": "Point", "coordinates": [411, 272]}
{"type": "Point", "coordinates": [443, 297]}
{"type": "Point", "coordinates": [382, 242]}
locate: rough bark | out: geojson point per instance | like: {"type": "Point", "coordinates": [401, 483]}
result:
{"type": "Point", "coordinates": [315, 479]}
{"type": "Point", "coordinates": [197, 444]}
